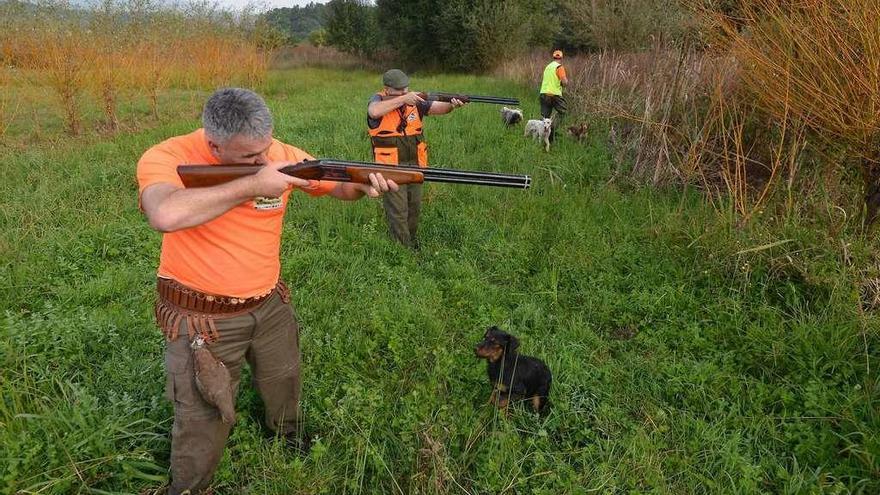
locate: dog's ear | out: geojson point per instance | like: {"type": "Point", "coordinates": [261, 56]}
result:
{"type": "Point", "coordinates": [512, 343]}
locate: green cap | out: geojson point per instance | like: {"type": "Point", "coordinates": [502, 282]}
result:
{"type": "Point", "coordinates": [395, 78]}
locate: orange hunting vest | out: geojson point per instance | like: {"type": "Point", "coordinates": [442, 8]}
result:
{"type": "Point", "coordinates": [398, 138]}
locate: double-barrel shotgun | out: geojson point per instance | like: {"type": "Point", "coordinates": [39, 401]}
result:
{"type": "Point", "coordinates": [348, 171]}
{"type": "Point", "coordinates": [447, 97]}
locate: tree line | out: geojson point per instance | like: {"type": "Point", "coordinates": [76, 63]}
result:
{"type": "Point", "coordinates": [474, 35]}
{"type": "Point", "coordinates": [300, 23]}
{"type": "Point", "coordinates": [471, 35]}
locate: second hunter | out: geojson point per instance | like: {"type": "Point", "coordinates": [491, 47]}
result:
{"type": "Point", "coordinates": [394, 119]}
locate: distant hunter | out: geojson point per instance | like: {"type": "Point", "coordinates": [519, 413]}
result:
{"type": "Point", "coordinates": [394, 121]}
{"type": "Point", "coordinates": [552, 82]}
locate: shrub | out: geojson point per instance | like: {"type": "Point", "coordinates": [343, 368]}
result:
{"type": "Point", "coordinates": [352, 27]}
{"type": "Point", "coordinates": [463, 34]}
{"type": "Point", "coordinates": [817, 63]}
{"type": "Point", "coordinates": [621, 24]}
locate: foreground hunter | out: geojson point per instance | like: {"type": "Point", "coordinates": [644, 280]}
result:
{"type": "Point", "coordinates": [220, 297]}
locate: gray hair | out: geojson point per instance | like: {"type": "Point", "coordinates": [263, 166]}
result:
{"type": "Point", "coordinates": [232, 111]}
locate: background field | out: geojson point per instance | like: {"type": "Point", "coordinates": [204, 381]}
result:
{"type": "Point", "coordinates": [688, 356]}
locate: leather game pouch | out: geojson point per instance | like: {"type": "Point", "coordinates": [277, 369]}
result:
{"type": "Point", "coordinates": [213, 380]}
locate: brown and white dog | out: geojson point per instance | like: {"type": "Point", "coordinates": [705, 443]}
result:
{"type": "Point", "coordinates": [579, 131]}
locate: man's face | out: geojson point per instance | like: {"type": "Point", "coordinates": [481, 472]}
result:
{"type": "Point", "coordinates": [396, 92]}
{"type": "Point", "coordinates": [242, 149]}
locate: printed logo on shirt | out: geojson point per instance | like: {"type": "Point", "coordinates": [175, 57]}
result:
{"type": "Point", "coordinates": [411, 117]}
{"type": "Point", "coordinates": [264, 203]}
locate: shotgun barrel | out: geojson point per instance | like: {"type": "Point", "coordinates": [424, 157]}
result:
{"type": "Point", "coordinates": [447, 97]}
{"type": "Point", "coordinates": [351, 171]}
{"type": "Point", "coordinates": [494, 100]}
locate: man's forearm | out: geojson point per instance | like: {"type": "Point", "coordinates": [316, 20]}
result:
{"type": "Point", "coordinates": [185, 208]}
{"type": "Point", "coordinates": [440, 108]}
{"type": "Point", "coordinates": [378, 109]}
{"type": "Point", "coordinates": [347, 191]}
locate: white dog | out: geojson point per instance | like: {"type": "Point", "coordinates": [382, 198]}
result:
{"type": "Point", "coordinates": [540, 130]}
{"type": "Point", "coordinates": [511, 116]}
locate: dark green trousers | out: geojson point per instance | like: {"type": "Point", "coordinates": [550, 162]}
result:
{"type": "Point", "coordinates": [402, 210]}
{"type": "Point", "coordinates": [550, 103]}
{"type": "Point", "coordinates": [268, 339]}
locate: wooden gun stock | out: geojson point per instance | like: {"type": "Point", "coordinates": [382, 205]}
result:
{"type": "Point", "coordinates": [348, 171]}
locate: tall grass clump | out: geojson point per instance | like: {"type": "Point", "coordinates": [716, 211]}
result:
{"type": "Point", "coordinates": [816, 63]}
{"type": "Point", "coordinates": [8, 108]}
{"type": "Point", "coordinates": [621, 25]}
{"type": "Point", "coordinates": [111, 61]}
{"type": "Point", "coordinates": [117, 53]}
{"type": "Point", "coordinates": [64, 59]}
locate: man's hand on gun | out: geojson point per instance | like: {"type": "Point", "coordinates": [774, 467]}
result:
{"type": "Point", "coordinates": [457, 103]}
{"type": "Point", "coordinates": [377, 187]}
{"type": "Point", "coordinates": [271, 183]}
{"type": "Point", "coordinates": [412, 98]}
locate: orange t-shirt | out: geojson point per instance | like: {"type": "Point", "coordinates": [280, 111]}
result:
{"type": "Point", "coordinates": [236, 254]}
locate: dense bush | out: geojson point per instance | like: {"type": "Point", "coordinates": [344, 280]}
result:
{"type": "Point", "coordinates": [620, 24]}
{"type": "Point", "coordinates": [296, 22]}
{"type": "Point", "coordinates": [352, 26]}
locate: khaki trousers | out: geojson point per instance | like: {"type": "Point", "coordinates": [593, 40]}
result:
{"type": "Point", "coordinates": [268, 338]}
{"type": "Point", "coordinates": [402, 210]}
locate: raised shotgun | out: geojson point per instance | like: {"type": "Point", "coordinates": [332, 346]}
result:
{"type": "Point", "coordinates": [447, 97]}
{"type": "Point", "coordinates": [348, 171]}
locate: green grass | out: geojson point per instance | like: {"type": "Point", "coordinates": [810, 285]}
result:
{"type": "Point", "coordinates": [684, 360]}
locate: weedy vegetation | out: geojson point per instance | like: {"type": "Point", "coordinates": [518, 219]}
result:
{"type": "Point", "coordinates": [688, 356]}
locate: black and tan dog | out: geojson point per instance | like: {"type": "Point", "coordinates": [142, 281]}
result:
{"type": "Point", "coordinates": [514, 377]}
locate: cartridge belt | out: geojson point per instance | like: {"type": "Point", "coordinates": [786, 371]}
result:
{"type": "Point", "coordinates": [178, 303]}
